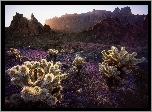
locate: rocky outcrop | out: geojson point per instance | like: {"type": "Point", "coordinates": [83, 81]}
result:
{"type": "Point", "coordinates": [128, 34]}
{"type": "Point", "coordinates": [22, 26]}
{"type": "Point", "coordinates": [111, 31]}
{"type": "Point", "coordinates": [24, 32]}
{"type": "Point", "coordinates": [145, 22]}
{"type": "Point", "coordinates": [107, 27]}
{"type": "Point", "coordinates": [19, 25]}
{"type": "Point", "coordinates": [46, 29]}
{"type": "Point", "coordinates": [108, 30]}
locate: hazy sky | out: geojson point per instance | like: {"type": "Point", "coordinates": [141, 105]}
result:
{"type": "Point", "coordinates": [43, 12]}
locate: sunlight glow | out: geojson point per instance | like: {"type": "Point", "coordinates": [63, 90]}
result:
{"type": "Point", "coordinates": [43, 12]}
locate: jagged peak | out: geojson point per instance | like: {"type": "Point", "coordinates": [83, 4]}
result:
{"type": "Point", "coordinates": [116, 10]}
{"type": "Point", "coordinates": [32, 15]}
{"type": "Point", "coordinates": [17, 13]}
{"type": "Point", "coordinates": [126, 9]}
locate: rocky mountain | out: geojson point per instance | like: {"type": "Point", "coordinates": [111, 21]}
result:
{"type": "Point", "coordinates": [119, 27]}
{"type": "Point", "coordinates": [27, 32]}
{"type": "Point", "coordinates": [21, 26]}
{"type": "Point", "coordinates": [74, 23]}
{"type": "Point", "coordinates": [112, 31]}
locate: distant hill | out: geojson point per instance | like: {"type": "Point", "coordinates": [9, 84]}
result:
{"type": "Point", "coordinates": [74, 23]}
{"type": "Point", "coordinates": [111, 31]}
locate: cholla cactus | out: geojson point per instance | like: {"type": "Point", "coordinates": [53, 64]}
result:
{"type": "Point", "coordinates": [53, 53]}
{"type": "Point", "coordinates": [15, 52]}
{"type": "Point", "coordinates": [19, 75]}
{"type": "Point", "coordinates": [36, 64]}
{"type": "Point", "coordinates": [55, 69]}
{"type": "Point", "coordinates": [39, 80]}
{"type": "Point", "coordinates": [44, 63]}
{"type": "Point", "coordinates": [110, 71]}
{"type": "Point", "coordinates": [59, 64]}
{"type": "Point", "coordinates": [34, 93]}
{"type": "Point", "coordinates": [32, 64]}
{"type": "Point", "coordinates": [120, 58]}
{"type": "Point", "coordinates": [36, 76]}
{"type": "Point", "coordinates": [74, 69]}
{"type": "Point", "coordinates": [28, 64]}
{"type": "Point", "coordinates": [23, 70]}
{"type": "Point", "coordinates": [62, 50]}
{"type": "Point", "coordinates": [78, 61]}
{"type": "Point", "coordinates": [13, 72]}
{"type": "Point", "coordinates": [47, 80]}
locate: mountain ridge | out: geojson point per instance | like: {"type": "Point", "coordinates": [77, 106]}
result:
{"type": "Point", "coordinates": [110, 30]}
{"type": "Point", "coordinates": [75, 23]}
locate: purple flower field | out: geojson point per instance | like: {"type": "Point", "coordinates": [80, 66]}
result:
{"type": "Point", "coordinates": [89, 89]}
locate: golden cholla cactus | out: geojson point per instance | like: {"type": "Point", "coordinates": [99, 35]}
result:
{"type": "Point", "coordinates": [122, 60]}
{"type": "Point", "coordinates": [48, 78]}
{"type": "Point", "coordinates": [16, 53]}
{"type": "Point", "coordinates": [13, 51]}
{"type": "Point", "coordinates": [62, 51]}
{"type": "Point", "coordinates": [36, 64]}
{"type": "Point", "coordinates": [74, 69]}
{"type": "Point", "coordinates": [44, 63]}
{"type": "Point", "coordinates": [53, 51]}
{"type": "Point", "coordinates": [110, 71]}
{"type": "Point", "coordinates": [39, 80]}
{"type": "Point", "coordinates": [78, 61]}
{"type": "Point", "coordinates": [23, 70]}
{"type": "Point", "coordinates": [13, 72]}
{"type": "Point", "coordinates": [121, 57]}
{"type": "Point", "coordinates": [19, 75]}
{"type": "Point", "coordinates": [28, 64]}
{"type": "Point", "coordinates": [58, 63]}
{"type": "Point", "coordinates": [31, 93]}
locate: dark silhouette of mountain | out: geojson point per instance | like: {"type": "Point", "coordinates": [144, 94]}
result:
{"type": "Point", "coordinates": [119, 27]}
{"type": "Point", "coordinates": [27, 32]}
{"type": "Point", "coordinates": [21, 25]}
{"type": "Point", "coordinates": [112, 31]}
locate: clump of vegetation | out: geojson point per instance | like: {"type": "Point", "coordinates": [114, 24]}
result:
{"type": "Point", "coordinates": [40, 81]}
{"type": "Point", "coordinates": [53, 53]}
{"type": "Point", "coordinates": [67, 50]}
{"type": "Point", "coordinates": [116, 64]}
{"type": "Point", "coordinates": [15, 52]}
{"type": "Point", "coordinates": [78, 63]}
